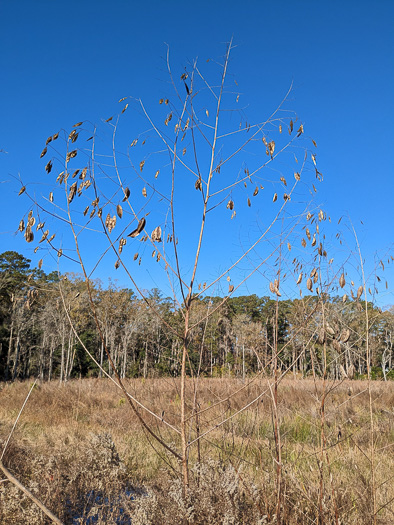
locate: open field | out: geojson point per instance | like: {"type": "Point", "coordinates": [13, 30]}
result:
{"type": "Point", "coordinates": [82, 451]}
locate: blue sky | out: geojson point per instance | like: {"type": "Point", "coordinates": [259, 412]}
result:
{"type": "Point", "coordinates": [63, 62]}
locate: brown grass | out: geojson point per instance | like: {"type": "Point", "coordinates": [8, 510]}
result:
{"type": "Point", "coordinates": [81, 437]}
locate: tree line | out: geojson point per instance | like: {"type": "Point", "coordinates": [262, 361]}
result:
{"type": "Point", "coordinates": [46, 321]}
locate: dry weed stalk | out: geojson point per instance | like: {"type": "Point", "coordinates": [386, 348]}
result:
{"type": "Point", "coordinates": [128, 205]}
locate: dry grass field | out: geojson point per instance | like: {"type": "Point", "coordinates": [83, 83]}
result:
{"type": "Point", "coordinates": [82, 451]}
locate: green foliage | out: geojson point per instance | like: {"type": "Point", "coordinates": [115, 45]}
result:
{"type": "Point", "coordinates": [238, 338]}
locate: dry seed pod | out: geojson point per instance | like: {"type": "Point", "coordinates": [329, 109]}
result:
{"type": "Point", "coordinates": [275, 197]}
{"type": "Point", "coordinates": [117, 264]}
{"type": "Point", "coordinates": [135, 256]}
{"type": "Point", "coordinates": [197, 184]}
{"type": "Point", "coordinates": [291, 125]}
{"type": "Point", "coordinates": [344, 298]}
{"type": "Point", "coordinates": [168, 119]}
{"type": "Point", "coordinates": [249, 203]}
{"type": "Point", "coordinates": [48, 167]}
{"type": "Point", "coordinates": [119, 211]}
{"type": "Point", "coordinates": [345, 335]}
{"type": "Point", "coordinates": [100, 213]}
{"type": "Point", "coordinates": [122, 243]}
{"type": "Point", "coordinates": [124, 109]}
{"type": "Point", "coordinates": [21, 226]}
{"type": "Point", "coordinates": [309, 284]}
{"type": "Point", "coordinates": [29, 236]}
{"type": "Point", "coordinates": [144, 194]}
{"type": "Point", "coordinates": [300, 130]}
{"type": "Point", "coordinates": [256, 191]}
{"type": "Point", "coordinates": [271, 147]}
{"type": "Point", "coordinates": [22, 190]}
{"type": "Point", "coordinates": [321, 337]}
{"type": "Point", "coordinates": [73, 191]}
{"type": "Point", "coordinates": [330, 330]}
{"type": "Point", "coordinates": [156, 234]}
{"type": "Point", "coordinates": [336, 345]}
{"type": "Point", "coordinates": [52, 237]}
{"type": "Point", "coordinates": [230, 288]}
{"type": "Point", "coordinates": [40, 264]}
{"type": "Point", "coordinates": [86, 211]}
{"type": "Point", "coordinates": [359, 292]}
{"type": "Point", "coordinates": [44, 235]}
{"type": "Point", "coordinates": [308, 234]}
{"type": "Point", "coordinates": [289, 246]}
{"type": "Point", "coordinates": [51, 197]}
{"type": "Point", "coordinates": [108, 221]}
{"type": "Point", "coordinates": [230, 205]}
{"type": "Point", "coordinates": [299, 279]}
{"type": "Point", "coordinates": [303, 242]}
{"type": "Point", "coordinates": [126, 194]}
{"type": "Point", "coordinates": [71, 155]}
{"type": "Point", "coordinates": [283, 180]}
{"type": "Point", "coordinates": [342, 281]}
{"type": "Point", "coordinates": [157, 173]}
{"type": "Point", "coordinates": [297, 176]}
{"type": "Point", "coordinates": [272, 287]}
{"type": "Point", "coordinates": [138, 230]}
{"type": "Point", "coordinates": [142, 164]}
{"type": "Point", "coordinates": [43, 152]}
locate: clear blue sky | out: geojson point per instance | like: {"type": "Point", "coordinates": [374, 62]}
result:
{"type": "Point", "coordinates": [66, 61]}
